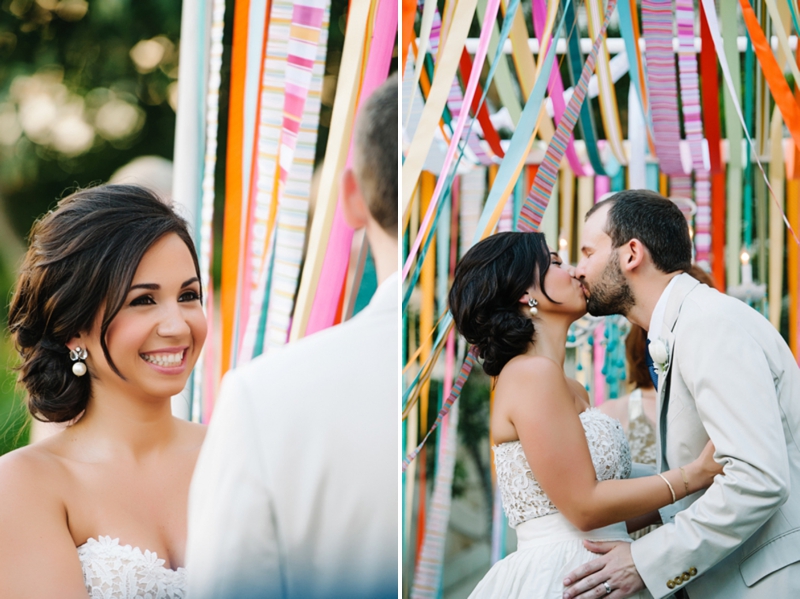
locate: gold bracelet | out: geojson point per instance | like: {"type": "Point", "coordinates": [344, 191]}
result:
{"type": "Point", "coordinates": [671, 490]}
{"type": "Point", "coordinates": [685, 479]}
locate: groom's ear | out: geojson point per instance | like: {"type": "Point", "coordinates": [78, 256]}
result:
{"type": "Point", "coordinates": [632, 255]}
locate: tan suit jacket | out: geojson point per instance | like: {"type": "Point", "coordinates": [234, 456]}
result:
{"type": "Point", "coordinates": [730, 378]}
{"type": "Point", "coordinates": [295, 493]}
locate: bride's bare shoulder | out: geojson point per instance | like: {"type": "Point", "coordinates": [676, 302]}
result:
{"type": "Point", "coordinates": [192, 434]}
{"type": "Point", "coordinates": [34, 468]}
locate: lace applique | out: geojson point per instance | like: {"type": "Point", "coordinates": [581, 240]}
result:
{"type": "Point", "coordinates": [114, 571]}
{"type": "Point", "coordinates": [641, 432]}
{"type": "Point", "coordinates": [523, 498]}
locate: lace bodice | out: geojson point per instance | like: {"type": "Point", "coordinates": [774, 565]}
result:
{"type": "Point", "coordinates": [114, 571]}
{"type": "Point", "coordinates": [523, 498]}
{"type": "Point", "coordinates": [641, 432]}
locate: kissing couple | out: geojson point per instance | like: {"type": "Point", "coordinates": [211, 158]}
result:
{"type": "Point", "coordinates": [726, 433]}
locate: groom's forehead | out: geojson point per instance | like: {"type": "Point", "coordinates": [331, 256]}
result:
{"type": "Point", "coordinates": [594, 229]}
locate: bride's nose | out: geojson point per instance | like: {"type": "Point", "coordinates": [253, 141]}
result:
{"type": "Point", "coordinates": [570, 269]}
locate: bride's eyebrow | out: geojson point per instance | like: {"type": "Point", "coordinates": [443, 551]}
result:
{"type": "Point", "coordinates": [156, 286]}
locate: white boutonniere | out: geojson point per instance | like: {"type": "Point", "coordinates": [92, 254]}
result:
{"type": "Point", "coordinates": [659, 351]}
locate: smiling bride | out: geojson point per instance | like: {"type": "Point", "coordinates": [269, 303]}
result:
{"type": "Point", "coordinates": [107, 317]}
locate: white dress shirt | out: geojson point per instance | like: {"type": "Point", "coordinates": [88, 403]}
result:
{"type": "Point", "coordinates": [295, 493]}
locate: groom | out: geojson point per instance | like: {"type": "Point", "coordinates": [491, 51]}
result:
{"type": "Point", "coordinates": [725, 374]}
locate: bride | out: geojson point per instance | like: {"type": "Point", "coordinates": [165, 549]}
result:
{"type": "Point", "coordinates": [560, 465]}
{"type": "Point", "coordinates": [107, 317]}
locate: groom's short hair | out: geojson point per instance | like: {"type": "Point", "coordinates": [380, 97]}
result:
{"type": "Point", "coordinates": [652, 219]}
{"type": "Point", "coordinates": [375, 164]}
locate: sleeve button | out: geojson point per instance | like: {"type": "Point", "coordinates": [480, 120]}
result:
{"type": "Point", "coordinates": [692, 571]}
{"type": "Point", "coordinates": [670, 584]}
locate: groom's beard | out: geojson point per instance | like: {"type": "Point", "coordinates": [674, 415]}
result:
{"type": "Point", "coordinates": [611, 294]}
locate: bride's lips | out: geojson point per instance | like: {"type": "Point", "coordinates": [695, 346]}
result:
{"type": "Point", "coordinates": [166, 360]}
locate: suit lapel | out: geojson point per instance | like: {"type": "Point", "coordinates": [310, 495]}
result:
{"type": "Point", "coordinates": [683, 285]}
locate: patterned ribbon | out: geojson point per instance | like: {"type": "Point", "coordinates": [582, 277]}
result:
{"type": "Point", "coordinates": [336, 154]}
{"type": "Point", "coordinates": [303, 69]}
{"type": "Point", "coordinates": [293, 206]}
{"type": "Point", "coordinates": [263, 204]}
{"type": "Point", "coordinates": [533, 209]}
{"type": "Point", "coordinates": [657, 26]}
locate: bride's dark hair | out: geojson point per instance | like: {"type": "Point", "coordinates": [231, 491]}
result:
{"type": "Point", "coordinates": [484, 299]}
{"type": "Point", "coordinates": [81, 261]}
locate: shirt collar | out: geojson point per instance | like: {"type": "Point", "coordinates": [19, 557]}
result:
{"type": "Point", "coordinates": [657, 319]}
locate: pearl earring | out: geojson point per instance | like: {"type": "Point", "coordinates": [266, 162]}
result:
{"type": "Point", "coordinates": [77, 355]}
{"type": "Point", "coordinates": [533, 303]}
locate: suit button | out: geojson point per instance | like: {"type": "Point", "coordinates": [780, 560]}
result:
{"type": "Point", "coordinates": [685, 576]}
{"type": "Point", "coordinates": [677, 581]}
{"type": "Point", "coordinates": [692, 571]}
{"type": "Point", "coordinates": [670, 584]}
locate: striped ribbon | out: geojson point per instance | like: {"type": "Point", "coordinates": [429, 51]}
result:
{"type": "Point", "coordinates": [657, 28]}
{"type": "Point", "coordinates": [466, 368]}
{"type": "Point", "coordinates": [294, 205]}
{"type": "Point", "coordinates": [263, 204]}
{"type": "Point", "coordinates": [304, 69]}
{"type": "Point", "coordinates": [689, 84]}
{"type": "Point", "coordinates": [200, 392]}
{"type": "Point", "coordinates": [533, 209]}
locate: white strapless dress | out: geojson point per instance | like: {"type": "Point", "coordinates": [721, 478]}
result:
{"type": "Point", "coordinates": [548, 545]}
{"type": "Point", "coordinates": [114, 571]}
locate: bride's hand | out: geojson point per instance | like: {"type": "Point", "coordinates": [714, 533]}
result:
{"type": "Point", "coordinates": [707, 468]}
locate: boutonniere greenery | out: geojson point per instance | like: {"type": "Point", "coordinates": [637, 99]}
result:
{"type": "Point", "coordinates": [659, 351]}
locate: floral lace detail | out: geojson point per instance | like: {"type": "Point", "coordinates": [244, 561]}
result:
{"type": "Point", "coordinates": [114, 571]}
{"type": "Point", "coordinates": [641, 432]}
{"type": "Point", "coordinates": [523, 498]}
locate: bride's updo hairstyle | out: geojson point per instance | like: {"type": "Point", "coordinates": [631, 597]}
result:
{"type": "Point", "coordinates": [489, 281]}
{"type": "Point", "coordinates": [81, 260]}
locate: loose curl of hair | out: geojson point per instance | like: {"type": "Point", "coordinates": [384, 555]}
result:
{"type": "Point", "coordinates": [484, 299]}
{"type": "Point", "coordinates": [80, 262]}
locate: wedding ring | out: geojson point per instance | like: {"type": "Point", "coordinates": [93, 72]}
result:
{"type": "Point", "coordinates": [608, 587]}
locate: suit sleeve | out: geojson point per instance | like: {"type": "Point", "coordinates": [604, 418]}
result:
{"type": "Point", "coordinates": [232, 547]}
{"type": "Point", "coordinates": [727, 374]}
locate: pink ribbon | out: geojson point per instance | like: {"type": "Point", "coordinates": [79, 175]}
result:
{"type": "Point", "coordinates": [556, 89]}
{"type": "Point", "coordinates": [337, 256]}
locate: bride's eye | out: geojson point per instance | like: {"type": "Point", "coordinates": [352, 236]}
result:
{"type": "Point", "coordinates": [143, 300]}
{"type": "Point", "coordinates": [190, 296]}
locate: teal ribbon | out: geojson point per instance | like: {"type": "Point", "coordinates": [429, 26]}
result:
{"type": "Point", "coordinates": [575, 66]}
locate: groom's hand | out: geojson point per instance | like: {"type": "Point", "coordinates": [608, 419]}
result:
{"type": "Point", "coordinates": [615, 566]}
